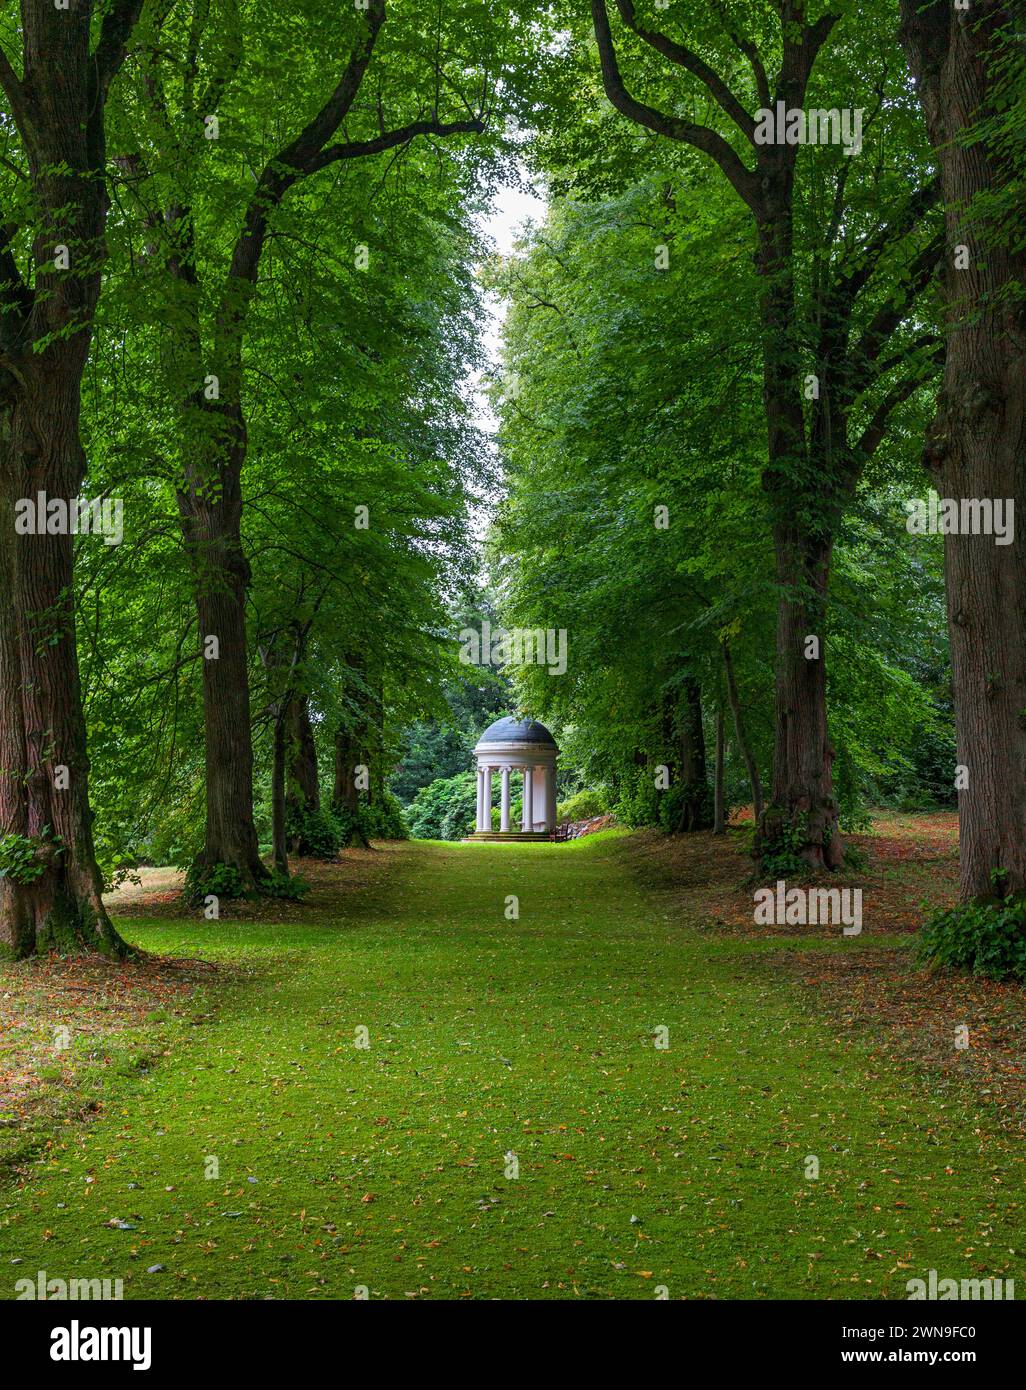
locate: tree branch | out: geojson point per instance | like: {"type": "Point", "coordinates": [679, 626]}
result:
{"type": "Point", "coordinates": [799, 58]}
{"type": "Point", "coordinates": [900, 392]}
{"type": "Point", "coordinates": [295, 158]}
{"type": "Point", "coordinates": [750, 51]}
{"type": "Point", "coordinates": [14, 90]}
{"type": "Point", "coordinates": [742, 180]}
{"type": "Point", "coordinates": [356, 149]}
{"type": "Point", "coordinates": [816, 36]}
{"type": "Point", "coordinates": [890, 315]}
{"type": "Point", "coordinates": [686, 58]}
{"type": "Point", "coordinates": [112, 45]}
{"type": "Point", "coordinates": [849, 286]}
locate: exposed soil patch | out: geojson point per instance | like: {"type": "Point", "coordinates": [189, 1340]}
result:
{"type": "Point", "coordinates": [157, 892]}
{"type": "Point", "coordinates": [910, 861]}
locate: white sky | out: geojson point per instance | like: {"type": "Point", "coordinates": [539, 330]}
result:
{"type": "Point", "coordinates": [511, 208]}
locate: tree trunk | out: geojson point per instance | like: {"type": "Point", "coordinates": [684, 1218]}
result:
{"type": "Point", "coordinates": [303, 790]}
{"type": "Point", "coordinates": [693, 806]}
{"type": "Point", "coordinates": [741, 733]}
{"type": "Point", "coordinates": [278, 831]}
{"type": "Point", "coordinates": [346, 796]}
{"type": "Point", "coordinates": [294, 789]}
{"type": "Point", "coordinates": [44, 768]}
{"type": "Point", "coordinates": [221, 575]}
{"type": "Point", "coordinates": [52, 897]}
{"type": "Point", "coordinates": [375, 744]}
{"type": "Point", "coordinates": [803, 813]}
{"type": "Point", "coordinates": [976, 447]}
{"type": "Point", "coordinates": [692, 738]}
{"type": "Point", "coordinates": [719, 810]}
{"type": "Point", "coordinates": [301, 793]}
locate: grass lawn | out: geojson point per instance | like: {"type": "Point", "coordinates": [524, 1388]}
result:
{"type": "Point", "coordinates": [640, 1167]}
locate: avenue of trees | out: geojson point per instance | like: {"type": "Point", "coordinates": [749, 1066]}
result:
{"type": "Point", "coordinates": [241, 285]}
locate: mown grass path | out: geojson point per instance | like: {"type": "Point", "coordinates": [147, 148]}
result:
{"type": "Point", "coordinates": [639, 1167]}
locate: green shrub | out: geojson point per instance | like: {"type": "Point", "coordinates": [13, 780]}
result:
{"type": "Point", "coordinates": [855, 819]}
{"type": "Point", "coordinates": [986, 937]}
{"type": "Point", "coordinates": [222, 881]}
{"type": "Point", "coordinates": [291, 887]}
{"type": "Point", "coordinates": [686, 806]}
{"type": "Point", "coordinates": [583, 805]}
{"type": "Point", "coordinates": [174, 836]}
{"type": "Point", "coordinates": [855, 858]}
{"type": "Point", "coordinates": [458, 821]}
{"type": "Point", "coordinates": [445, 809]}
{"type": "Point", "coordinates": [638, 800]}
{"type": "Point", "coordinates": [20, 859]}
{"type": "Point", "coordinates": [782, 856]}
{"type": "Point", "coordinates": [213, 880]}
{"type": "Point", "coordinates": [384, 820]}
{"type": "Point", "coordinates": [350, 826]}
{"type": "Point", "coordinates": [313, 834]}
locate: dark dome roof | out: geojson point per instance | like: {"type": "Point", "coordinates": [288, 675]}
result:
{"type": "Point", "coordinates": [511, 730]}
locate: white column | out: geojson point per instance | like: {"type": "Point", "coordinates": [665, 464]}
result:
{"type": "Point", "coordinates": [487, 808]}
{"type": "Point", "coordinates": [479, 824]}
{"type": "Point", "coordinates": [528, 816]}
{"type": "Point", "coordinates": [504, 821]}
{"type": "Point", "coordinates": [550, 796]}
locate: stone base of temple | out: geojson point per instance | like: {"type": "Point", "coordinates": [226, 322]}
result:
{"type": "Point", "coordinates": [512, 835]}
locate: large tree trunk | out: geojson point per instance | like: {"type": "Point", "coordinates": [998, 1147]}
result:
{"type": "Point", "coordinates": [374, 743]}
{"type": "Point", "coordinates": [44, 768]}
{"type": "Point", "coordinates": [977, 444]}
{"type": "Point", "coordinates": [803, 813]}
{"type": "Point", "coordinates": [221, 574]}
{"type": "Point", "coordinates": [280, 850]}
{"type": "Point", "coordinates": [693, 772]}
{"type": "Point", "coordinates": [300, 787]}
{"type": "Point", "coordinates": [346, 796]}
{"type": "Point", "coordinates": [294, 789]}
{"type": "Point", "coordinates": [52, 898]}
